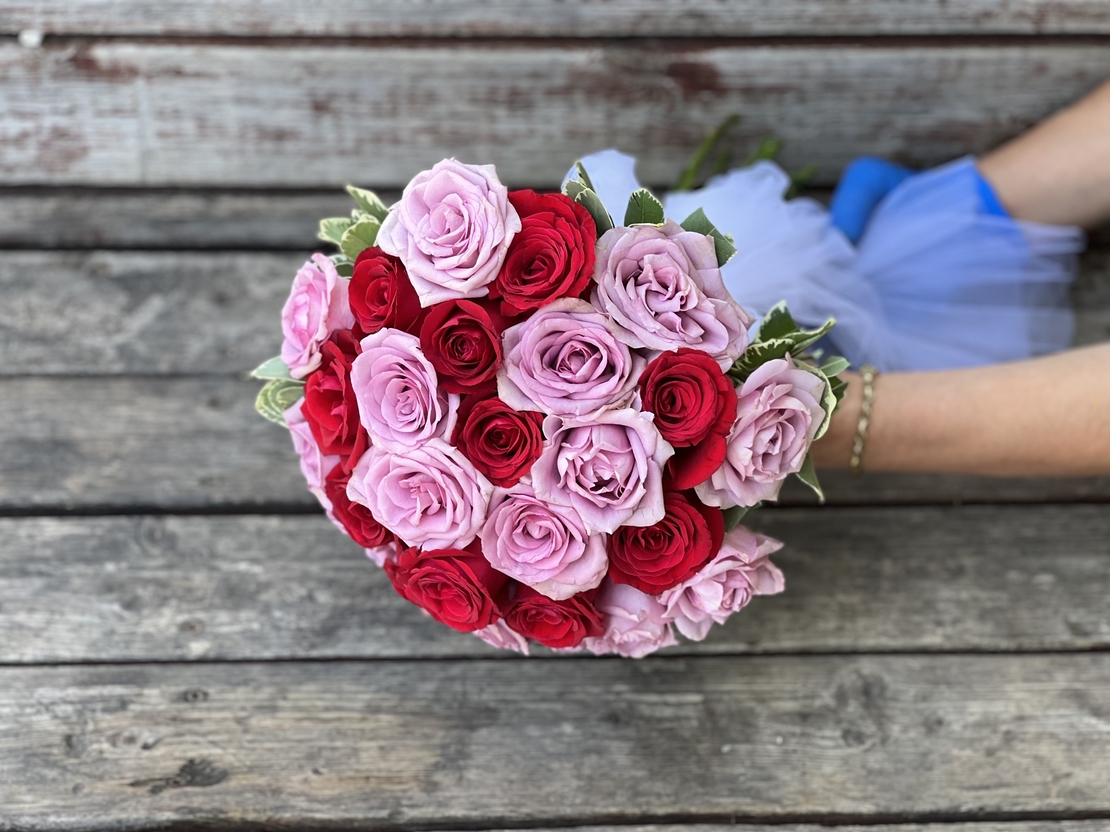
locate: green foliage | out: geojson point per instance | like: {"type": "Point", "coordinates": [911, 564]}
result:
{"type": "Point", "coordinates": [276, 397]}
{"type": "Point", "coordinates": [585, 196]}
{"type": "Point", "coordinates": [734, 515]}
{"type": "Point", "coordinates": [360, 236]}
{"type": "Point", "coordinates": [333, 228]}
{"type": "Point", "coordinates": [689, 177]}
{"type": "Point", "coordinates": [273, 369]}
{"type": "Point", "coordinates": [800, 179]}
{"type": "Point", "coordinates": [369, 203]}
{"type": "Point", "coordinates": [808, 475]}
{"type": "Point", "coordinates": [643, 208]}
{"type": "Point", "coordinates": [767, 150]}
{"type": "Point", "coordinates": [699, 223]}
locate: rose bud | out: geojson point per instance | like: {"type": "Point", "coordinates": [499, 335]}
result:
{"type": "Point", "coordinates": [381, 295]}
{"type": "Point", "coordinates": [456, 587]}
{"type": "Point", "coordinates": [355, 519]}
{"type": "Point", "coordinates": [551, 257]}
{"type": "Point", "coordinates": [655, 558]}
{"type": "Point", "coordinates": [502, 443]}
{"type": "Point", "coordinates": [694, 404]}
{"type": "Point", "coordinates": [556, 624]}
{"type": "Point", "coordinates": [462, 340]}
{"type": "Point", "coordinates": [330, 406]}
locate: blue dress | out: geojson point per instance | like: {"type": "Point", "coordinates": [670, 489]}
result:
{"type": "Point", "coordinates": [939, 279]}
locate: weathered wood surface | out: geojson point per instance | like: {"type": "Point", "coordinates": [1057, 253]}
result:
{"type": "Point", "coordinates": [117, 112]}
{"type": "Point", "coordinates": [396, 744]}
{"type": "Point", "coordinates": [95, 313]}
{"type": "Point", "coordinates": [254, 588]}
{"type": "Point", "coordinates": [196, 444]}
{"type": "Point", "coordinates": [544, 18]}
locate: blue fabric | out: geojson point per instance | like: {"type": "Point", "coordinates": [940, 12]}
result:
{"type": "Point", "coordinates": [864, 184]}
{"type": "Point", "coordinates": [940, 277]}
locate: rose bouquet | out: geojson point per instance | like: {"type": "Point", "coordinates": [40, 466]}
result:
{"type": "Point", "coordinates": [543, 426]}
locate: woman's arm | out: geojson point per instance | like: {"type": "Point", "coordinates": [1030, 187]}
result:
{"type": "Point", "coordinates": [1044, 417]}
{"type": "Point", "coordinates": [1058, 172]}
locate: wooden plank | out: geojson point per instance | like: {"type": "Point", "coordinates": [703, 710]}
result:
{"type": "Point", "coordinates": [542, 18]}
{"type": "Point", "coordinates": [100, 312]}
{"type": "Point", "coordinates": [393, 745]}
{"type": "Point", "coordinates": [118, 112]}
{"type": "Point", "coordinates": [254, 588]}
{"type": "Point", "coordinates": [196, 443]}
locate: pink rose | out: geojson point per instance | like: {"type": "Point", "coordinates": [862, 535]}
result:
{"type": "Point", "coordinates": [777, 415]}
{"type": "Point", "coordinates": [664, 289]}
{"type": "Point", "coordinates": [400, 402]}
{"type": "Point", "coordinates": [317, 307]}
{"type": "Point", "coordinates": [500, 635]}
{"type": "Point", "coordinates": [430, 497]}
{"type": "Point", "coordinates": [451, 230]}
{"type": "Point", "coordinates": [543, 546]}
{"type": "Point", "coordinates": [568, 360]}
{"type": "Point", "coordinates": [314, 465]}
{"type": "Point", "coordinates": [608, 468]}
{"type": "Point", "coordinates": [725, 585]}
{"type": "Point", "coordinates": [635, 623]}
{"type": "Point", "coordinates": [383, 553]}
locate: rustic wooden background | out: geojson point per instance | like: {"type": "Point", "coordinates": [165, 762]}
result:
{"type": "Point", "coordinates": [185, 642]}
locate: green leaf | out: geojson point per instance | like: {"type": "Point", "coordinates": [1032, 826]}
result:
{"type": "Point", "coordinates": [689, 176]}
{"type": "Point", "coordinates": [721, 165]}
{"type": "Point", "coordinates": [777, 323]}
{"type": "Point", "coordinates": [829, 400]}
{"type": "Point", "coordinates": [369, 203]}
{"type": "Point", "coordinates": [808, 475]}
{"type": "Point", "coordinates": [699, 223]}
{"type": "Point", "coordinates": [277, 397]}
{"type": "Point", "coordinates": [835, 366]}
{"type": "Point", "coordinates": [761, 351]}
{"type": "Point", "coordinates": [734, 515]}
{"type": "Point", "coordinates": [839, 387]}
{"type": "Point", "coordinates": [800, 179]}
{"type": "Point", "coordinates": [643, 209]}
{"type": "Point", "coordinates": [274, 368]}
{"type": "Point", "coordinates": [583, 177]}
{"type": "Point", "coordinates": [768, 149]}
{"type": "Point", "coordinates": [589, 200]}
{"type": "Point", "coordinates": [331, 229]}
{"type": "Point", "coordinates": [360, 236]}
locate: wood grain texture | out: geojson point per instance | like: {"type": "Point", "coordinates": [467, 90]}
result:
{"type": "Point", "coordinates": [117, 112]}
{"type": "Point", "coordinates": [544, 18]}
{"type": "Point", "coordinates": [97, 313]}
{"type": "Point", "coordinates": [196, 444]}
{"type": "Point", "coordinates": [396, 744]}
{"type": "Point", "coordinates": [261, 588]}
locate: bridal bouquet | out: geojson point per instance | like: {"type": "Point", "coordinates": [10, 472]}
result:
{"type": "Point", "coordinates": [543, 425]}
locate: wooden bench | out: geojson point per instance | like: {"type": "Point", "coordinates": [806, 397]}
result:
{"type": "Point", "coordinates": [186, 642]}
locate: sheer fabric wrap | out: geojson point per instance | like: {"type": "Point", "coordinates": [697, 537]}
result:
{"type": "Point", "coordinates": [935, 282]}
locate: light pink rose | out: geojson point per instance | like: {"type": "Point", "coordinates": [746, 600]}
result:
{"type": "Point", "coordinates": [431, 496]}
{"type": "Point", "coordinates": [400, 402]}
{"type": "Point", "coordinates": [542, 545]}
{"type": "Point", "coordinates": [664, 290]}
{"type": "Point", "coordinates": [380, 554]}
{"type": "Point", "coordinates": [607, 467]}
{"type": "Point", "coordinates": [500, 636]}
{"type": "Point", "coordinates": [451, 229]}
{"type": "Point", "coordinates": [635, 623]}
{"type": "Point", "coordinates": [314, 465]}
{"type": "Point", "coordinates": [777, 415]}
{"type": "Point", "coordinates": [725, 585]}
{"type": "Point", "coordinates": [568, 360]}
{"type": "Point", "coordinates": [317, 307]}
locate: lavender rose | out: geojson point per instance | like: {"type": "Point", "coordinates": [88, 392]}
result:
{"type": "Point", "coordinates": [381, 554]}
{"type": "Point", "coordinates": [317, 306]}
{"type": "Point", "coordinates": [607, 467]}
{"type": "Point", "coordinates": [430, 497]}
{"type": "Point", "coordinates": [314, 465]}
{"type": "Point", "coordinates": [542, 545]}
{"type": "Point", "coordinates": [664, 289]}
{"type": "Point", "coordinates": [400, 402]}
{"type": "Point", "coordinates": [451, 230]}
{"type": "Point", "coordinates": [635, 623]}
{"type": "Point", "coordinates": [777, 415]}
{"type": "Point", "coordinates": [567, 360]}
{"type": "Point", "coordinates": [500, 635]}
{"type": "Point", "coordinates": [725, 585]}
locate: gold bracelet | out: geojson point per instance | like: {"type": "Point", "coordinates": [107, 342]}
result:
{"type": "Point", "coordinates": [868, 374]}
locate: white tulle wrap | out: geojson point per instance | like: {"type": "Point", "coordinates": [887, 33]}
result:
{"type": "Point", "coordinates": [934, 283]}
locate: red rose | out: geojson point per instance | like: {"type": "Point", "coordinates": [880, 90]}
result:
{"type": "Point", "coordinates": [555, 624]}
{"type": "Point", "coordinates": [551, 257]}
{"type": "Point", "coordinates": [330, 407]}
{"type": "Point", "coordinates": [501, 442]}
{"type": "Point", "coordinates": [380, 293]}
{"type": "Point", "coordinates": [354, 517]}
{"type": "Point", "coordinates": [462, 340]}
{"type": "Point", "coordinates": [694, 404]}
{"type": "Point", "coordinates": [655, 558]}
{"type": "Point", "coordinates": [455, 586]}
